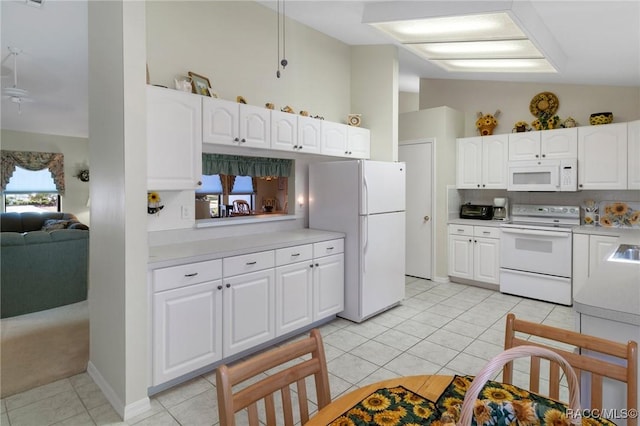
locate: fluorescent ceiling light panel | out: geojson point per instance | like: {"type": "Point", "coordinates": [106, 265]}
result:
{"type": "Point", "coordinates": [490, 42]}
{"type": "Point", "coordinates": [477, 49]}
{"type": "Point", "coordinates": [491, 26]}
{"type": "Point", "coordinates": [496, 65]}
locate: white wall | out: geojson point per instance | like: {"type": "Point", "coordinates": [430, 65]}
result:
{"type": "Point", "coordinates": [513, 99]}
{"type": "Point", "coordinates": [374, 90]}
{"type": "Point", "coordinates": [233, 43]}
{"type": "Point", "coordinates": [118, 263]}
{"type": "Point", "coordinates": [76, 158]}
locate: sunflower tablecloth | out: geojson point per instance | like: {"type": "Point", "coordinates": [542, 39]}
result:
{"type": "Point", "coordinates": [497, 405]}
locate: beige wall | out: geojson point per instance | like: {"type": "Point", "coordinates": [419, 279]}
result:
{"type": "Point", "coordinates": [374, 91]}
{"type": "Point", "coordinates": [577, 101]}
{"type": "Point", "coordinates": [233, 43]}
{"type": "Point", "coordinates": [444, 125]}
{"type": "Point", "coordinates": [76, 158]}
{"type": "Point", "coordinates": [408, 102]}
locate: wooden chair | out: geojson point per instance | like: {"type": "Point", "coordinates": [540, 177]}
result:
{"type": "Point", "coordinates": [598, 368]}
{"type": "Point", "coordinates": [241, 207]}
{"type": "Point", "coordinates": [226, 377]}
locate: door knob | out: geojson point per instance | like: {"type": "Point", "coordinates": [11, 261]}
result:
{"type": "Point", "coordinates": [426, 218]}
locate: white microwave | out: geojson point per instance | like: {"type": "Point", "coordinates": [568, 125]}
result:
{"type": "Point", "coordinates": [543, 175]}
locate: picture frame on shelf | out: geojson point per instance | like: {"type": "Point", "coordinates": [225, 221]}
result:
{"type": "Point", "coordinates": [200, 84]}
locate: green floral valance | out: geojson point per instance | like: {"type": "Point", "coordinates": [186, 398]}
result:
{"type": "Point", "coordinates": [215, 164]}
{"type": "Point", "coordinates": [33, 161]}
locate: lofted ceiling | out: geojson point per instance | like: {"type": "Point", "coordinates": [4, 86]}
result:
{"type": "Point", "coordinates": [598, 43]}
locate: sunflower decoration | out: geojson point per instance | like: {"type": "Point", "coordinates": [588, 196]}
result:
{"type": "Point", "coordinates": [544, 106]}
{"type": "Point", "coordinates": [487, 122]}
{"type": "Point", "coordinates": [387, 407]}
{"type": "Point", "coordinates": [153, 203]}
{"type": "Point", "coordinates": [618, 214]}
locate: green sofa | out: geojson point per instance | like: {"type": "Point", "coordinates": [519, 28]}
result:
{"type": "Point", "coordinates": [42, 269]}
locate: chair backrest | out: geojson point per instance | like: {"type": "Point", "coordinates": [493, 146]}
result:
{"type": "Point", "coordinates": [270, 202]}
{"type": "Point", "coordinates": [227, 376]}
{"type": "Point", "coordinates": [597, 367]}
{"type": "Point", "coordinates": [241, 207]}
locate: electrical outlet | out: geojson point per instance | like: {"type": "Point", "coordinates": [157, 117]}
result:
{"type": "Point", "coordinates": [186, 212]}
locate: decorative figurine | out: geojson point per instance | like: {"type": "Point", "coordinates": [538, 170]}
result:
{"type": "Point", "coordinates": [487, 122]}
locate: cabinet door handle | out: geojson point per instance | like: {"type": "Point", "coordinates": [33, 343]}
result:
{"type": "Point", "coordinates": [544, 155]}
{"type": "Point", "coordinates": [300, 147]}
{"type": "Point", "coordinates": [349, 152]}
{"type": "Point", "coordinates": [295, 254]}
{"type": "Point", "coordinates": [236, 140]}
{"type": "Point", "coordinates": [486, 232]}
{"type": "Point", "coordinates": [191, 275]}
{"type": "Point", "coordinates": [228, 285]}
{"type": "Point", "coordinates": [317, 264]}
{"type": "Point", "coordinates": [478, 185]}
{"type": "Point", "coordinates": [311, 266]}
{"type": "Point", "coordinates": [475, 241]}
{"type": "Point", "coordinates": [580, 185]}
{"type": "Point", "coordinates": [346, 152]}
{"type": "Point", "coordinates": [243, 140]}
{"type": "Point", "coordinates": [295, 147]}
{"type": "Point", "coordinates": [469, 239]}
{"type": "Point", "coordinates": [251, 263]}
{"type": "Point", "coordinates": [460, 230]}
{"type": "Point", "coordinates": [537, 156]}
{"type": "Point", "coordinates": [483, 185]}
{"type": "Point", "coordinates": [330, 248]}
{"type": "Point", "coordinates": [220, 287]}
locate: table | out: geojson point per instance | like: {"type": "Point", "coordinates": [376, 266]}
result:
{"type": "Point", "coordinates": [429, 387]}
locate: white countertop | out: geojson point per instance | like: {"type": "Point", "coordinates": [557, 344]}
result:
{"type": "Point", "coordinates": [197, 251]}
{"type": "Point", "coordinates": [603, 230]}
{"type": "Point", "coordinates": [613, 291]}
{"type": "Point", "coordinates": [475, 222]}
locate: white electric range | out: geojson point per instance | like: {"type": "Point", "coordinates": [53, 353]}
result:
{"type": "Point", "coordinates": [536, 252]}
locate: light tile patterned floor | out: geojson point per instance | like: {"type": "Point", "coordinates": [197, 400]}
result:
{"type": "Point", "coordinates": [439, 329]}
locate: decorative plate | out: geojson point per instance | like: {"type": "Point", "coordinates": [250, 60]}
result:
{"type": "Point", "coordinates": [619, 214]}
{"type": "Point", "coordinates": [545, 102]}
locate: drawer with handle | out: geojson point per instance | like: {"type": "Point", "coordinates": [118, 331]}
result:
{"type": "Point", "coordinates": [288, 255]}
{"type": "Point", "coordinates": [246, 263]}
{"type": "Point", "coordinates": [486, 231]}
{"type": "Point", "coordinates": [184, 275]}
{"type": "Point", "coordinates": [461, 230]}
{"type": "Point", "coordinates": [326, 248]}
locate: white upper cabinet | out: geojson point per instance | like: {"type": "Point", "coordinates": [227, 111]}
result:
{"type": "Point", "coordinates": [524, 146]}
{"type": "Point", "coordinates": [220, 121]}
{"type": "Point", "coordinates": [284, 131]}
{"type": "Point", "coordinates": [482, 162]}
{"type": "Point", "coordinates": [344, 141]}
{"type": "Point", "coordinates": [602, 156]}
{"type": "Point", "coordinates": [359, 142]}
{"type": "Point", "coordinates": [334, 139]}
{"type": "Point", "coordinates": [546, 144]}
{"type": "Point", "coordinates": [559, 143]}
{"type": "Point", "coordinates": [309, 135]}
{"type": "Point", "coordinates": [235, 124]}
{"type": "Point", "coordinates": [255, 126]}
{"type": "Point", "coordinates": [174, 139]}
{"type": "Point", "coordinates": [633, 150]}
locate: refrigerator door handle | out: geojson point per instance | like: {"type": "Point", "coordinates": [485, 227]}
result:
{"type": "Point", "coordinates": [365, 242]}
{"type": "Point", "coordinates": [365, 195]}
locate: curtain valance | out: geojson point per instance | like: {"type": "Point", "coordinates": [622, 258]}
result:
{"type": "Point", "coordinates": [214, 164]}
{"type": "Point", "coordinates": [30, 160]}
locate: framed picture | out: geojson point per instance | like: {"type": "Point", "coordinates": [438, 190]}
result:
{"type": "Point", "coordinates": [200, 84]}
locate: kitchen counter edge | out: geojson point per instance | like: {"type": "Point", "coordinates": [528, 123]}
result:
{"type": "Point", "coordinates": [197, 251]}
{"type": "Point", "coordinates": [602, 230]}
{"type": "Point", "coordinates": [475, 222]}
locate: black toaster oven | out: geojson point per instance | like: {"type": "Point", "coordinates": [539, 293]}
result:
{"type": "Point", "coordinates": [476, 211]}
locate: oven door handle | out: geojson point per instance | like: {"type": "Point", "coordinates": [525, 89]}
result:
{"type": "Point", "coordinates": [536, 232]}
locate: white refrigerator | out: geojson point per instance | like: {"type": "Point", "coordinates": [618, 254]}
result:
{"type": "Point", "coordinates": [365, 200]}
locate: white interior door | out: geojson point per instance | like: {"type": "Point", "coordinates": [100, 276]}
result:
{"type": "Point", "coordinates": [418, 158]}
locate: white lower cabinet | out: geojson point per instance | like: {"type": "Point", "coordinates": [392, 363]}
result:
{"type": "Point", "coordinates": [474, 253]}
{"type": "Point", "coordinates": [588, 254]}
{"type": "Point", "coordinates": [206, 311]}
{"type": "Point", "coordinates": [187, 319]}
{"type": "Point", "coordinates": [248, 311]}
{"type": "Point", "coordinates": [294, 288]}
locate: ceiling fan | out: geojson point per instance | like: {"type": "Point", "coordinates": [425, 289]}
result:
{"type": "Point", "coordinates": [14, 93]}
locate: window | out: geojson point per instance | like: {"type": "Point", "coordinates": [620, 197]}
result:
{"type": "Point", "coordinates": [31, 191]}
{"type": "Point", "coordinates": [211, 191]}
{"type": "Point", "coordinates": [243, 190]}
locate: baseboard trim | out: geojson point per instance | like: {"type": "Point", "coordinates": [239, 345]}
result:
{"type": "Point", "coordinates": [124, 411]}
